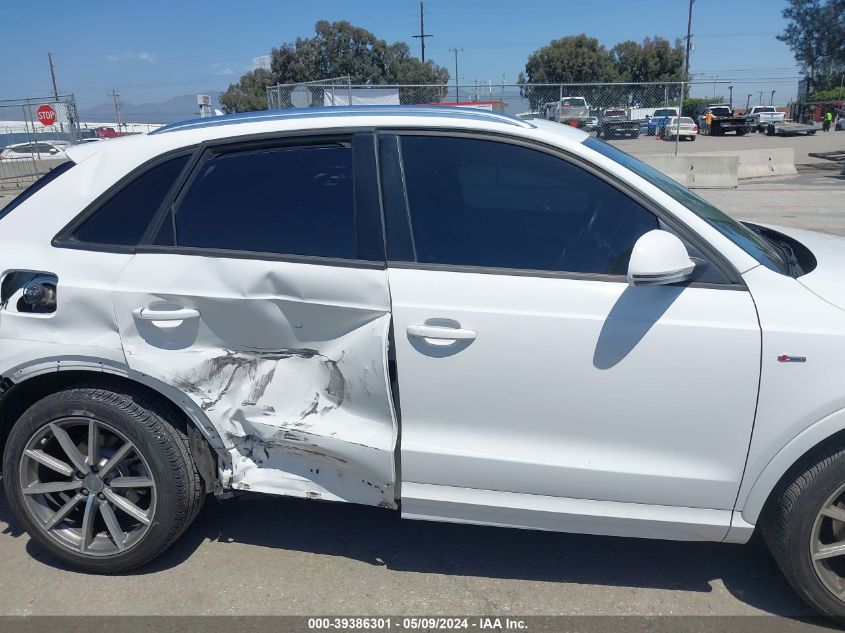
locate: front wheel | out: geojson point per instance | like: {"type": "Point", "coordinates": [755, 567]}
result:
{"type": "Point", "coordinates": [804, 528]}
{"type": "Point", "coordinates": [101, 478]}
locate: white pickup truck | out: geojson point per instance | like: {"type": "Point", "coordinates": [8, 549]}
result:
{"type": "Point", "coordinates": [761, 116]}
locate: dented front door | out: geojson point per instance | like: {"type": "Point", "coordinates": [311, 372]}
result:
{"type": "Point", "coordinates": [286, 355]}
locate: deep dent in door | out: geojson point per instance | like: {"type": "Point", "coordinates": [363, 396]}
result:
{"type": "Point", "coordinates": [310, 416]}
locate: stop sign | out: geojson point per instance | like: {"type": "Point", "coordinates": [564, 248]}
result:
{"type": "Point", "coordinates": [46, 115]}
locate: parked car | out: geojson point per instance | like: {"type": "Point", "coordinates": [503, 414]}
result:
{"type": "Point", "coordinates": [761, 116]}
{"type": "Point", "coordinates": [581, 343]}
{"type": "Point", "coordinates": [724, 120]}
{"type": "Point", "coordinates": [615, 123]}
{"type": "Point", "coordinates": [106, 132]}
{"type": "Point", "coordinates": [658, 118]}
{"type": "Point", "coordinates": [592, 124]}
{"type": "Point", "coordinates": [572, 111]}
{"type": "Point", "coordinates": [41, 150]}
{"type": "Point", "coordinates": [673, 129]}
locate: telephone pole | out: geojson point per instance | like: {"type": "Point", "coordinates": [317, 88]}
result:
{"type": "Point", "coordinates": [689, 41]}
{"type": "Point", "coordinates": [53, 75]}
{"type": "Point", "coordinates": [422, 34]}
{"type": "Point", "coordinates": [457, 86]}
{"type": "Point", "coordinates": [115, 96]}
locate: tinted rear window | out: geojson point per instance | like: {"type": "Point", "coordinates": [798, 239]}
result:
{"type": "Point", "coordinates": [125, 216]}
{"type": "Point", "coordinates": [287, 200]}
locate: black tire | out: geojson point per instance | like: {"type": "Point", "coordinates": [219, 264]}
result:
{"type": "Point", "coordinates": [788, 526]}
{"type": "Point", "coordinates": [157, 437]}
{"type": "Point", "coordinates": [741, 132]}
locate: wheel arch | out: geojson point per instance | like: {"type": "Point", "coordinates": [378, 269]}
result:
{"type": "Point", "coordinates": [22, 387]}
{"type": "Point", "coordinates": [784, 466]}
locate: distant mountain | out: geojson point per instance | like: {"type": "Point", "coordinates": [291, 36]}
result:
{"type": "Point", "coordinates": [175, 109]}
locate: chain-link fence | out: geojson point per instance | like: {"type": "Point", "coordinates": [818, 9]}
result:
{"type": "Point", "coordinates": [34, 133]}
{"type": "Point", "coordinates": [610, 110]}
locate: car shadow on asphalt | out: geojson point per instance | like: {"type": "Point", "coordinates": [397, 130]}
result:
{"type": "Point", "coordinates": [379, 537]}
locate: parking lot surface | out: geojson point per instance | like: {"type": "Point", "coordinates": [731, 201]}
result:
{"type": "Point", "coordinates": [802, 144]}
{"type": "Point", "coordinates": [262, 555]}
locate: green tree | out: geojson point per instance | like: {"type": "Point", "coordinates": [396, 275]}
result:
{"type": "Point", "coordinates": [653, 60]}
{"type": "Point", "coordinates": [572, 59]}
{"type": "Point", "coordinates": [250, 93]}
{"type": "Point", "coordinates": [816, 34]}
{"type": "Point", "coordinates": [338, 49]}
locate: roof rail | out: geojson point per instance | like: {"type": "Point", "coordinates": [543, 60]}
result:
{"type": "Point", "coordinates": [438, 111]}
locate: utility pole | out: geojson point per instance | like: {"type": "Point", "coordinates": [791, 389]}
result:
{"type": "Point", "coordinates": [53, 75]}
{"type": "Point", "coordinates": [55, 90]}
{"type": "Point", "coordinates": [689, 41]}
{"type": "Point", "coordinates": [457, 85]}
{"type": "Point", "coordinates": [772, 99]}
{"type": "Point", "coordinates": [422, 34]}
{"type": "Point", "coordinates": [731, 97]}
{"type": "Point", "coordinates": [115, 96]}
{"type": "Point", "coordinates": [761, 97]}
{"type": "Point", "coordinates": [748, 101]}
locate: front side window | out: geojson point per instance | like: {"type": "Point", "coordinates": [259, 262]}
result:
{"type": "Point", "coordinates": [286, 200]}
{"type": "Point", "coordinates": [749, 241]}
{"type": "Point", "coordinates": [124, 217]}
{"type": "Point", "coordinates": [484, 203]}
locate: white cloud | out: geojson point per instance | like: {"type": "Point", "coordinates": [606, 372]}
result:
{"type": "Point", "coordinates": [219, 68]}
{"type": "Point", "coordinates": [143, 56]}
{"type": "Point", "coordinates": [262, 61]}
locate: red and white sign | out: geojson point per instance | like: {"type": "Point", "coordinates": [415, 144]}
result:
{"type": "Point", "coordinates": [46, 115]}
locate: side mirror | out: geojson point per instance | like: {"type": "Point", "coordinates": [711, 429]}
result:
{"type": "Point", "coordinates": [659, 257]}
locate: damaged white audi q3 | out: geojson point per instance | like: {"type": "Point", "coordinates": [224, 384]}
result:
{"type": "Point", "coordinates": [451, 312]}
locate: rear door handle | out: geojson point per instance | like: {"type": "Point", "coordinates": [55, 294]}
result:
{"type": "Point", "coordinates": [442, 333]}
{"type": "Point", "coordinates": [148, 314]}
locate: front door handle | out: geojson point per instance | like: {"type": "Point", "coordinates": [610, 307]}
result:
{"type": "Point", "coordinates": [439, 332]}
{"type": "Point", "coordinates": [149, 314]}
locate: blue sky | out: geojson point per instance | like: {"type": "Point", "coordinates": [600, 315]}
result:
{"type": "Point", "coordinates": [150, 51]}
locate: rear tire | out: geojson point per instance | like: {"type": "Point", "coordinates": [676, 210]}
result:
{"type": "Point", "coordinates": [807, 517]}
{"type": "Point", "coordinates": [140, 468]}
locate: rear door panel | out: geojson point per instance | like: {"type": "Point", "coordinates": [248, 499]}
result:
{"type": "Point", "coordinates": [286, 355]}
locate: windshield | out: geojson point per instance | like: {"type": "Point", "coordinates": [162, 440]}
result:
{"type": "Point", "coordinates": [749, 241]}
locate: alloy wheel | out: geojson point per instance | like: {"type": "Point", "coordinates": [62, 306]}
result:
{"type": "Point", "coordinates": [87, 486]}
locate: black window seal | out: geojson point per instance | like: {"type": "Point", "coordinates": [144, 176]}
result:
{"type": "Point", "coordinates": [64, 238]}
{"type": "Point", "coordinates": [735, 281]}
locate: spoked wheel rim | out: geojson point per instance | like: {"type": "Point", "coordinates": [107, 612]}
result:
{"type": "Point", "coordinates": [827, 543]}
{"type": "Point", "coordinates": [87, 486]}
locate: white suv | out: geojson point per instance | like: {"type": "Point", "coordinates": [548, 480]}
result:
{"type": "Point", "coordinates": [580, 343]}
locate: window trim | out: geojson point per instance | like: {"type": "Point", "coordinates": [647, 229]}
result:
{"type": "Point", "coordinates": [712, 254]}
{"type": "Point", "coordinates": [64, 238]}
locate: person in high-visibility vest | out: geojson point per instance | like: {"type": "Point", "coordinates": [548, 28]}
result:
{"type": "Point", "coordinates": [828, 119]}
{"type": "Point", "coordinates": [708, 119]}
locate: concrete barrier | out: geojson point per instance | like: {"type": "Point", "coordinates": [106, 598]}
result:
{"type": "Point", "coordinates": [760, 163]}
{"type": "Point", "coordinates": [697, 171]}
